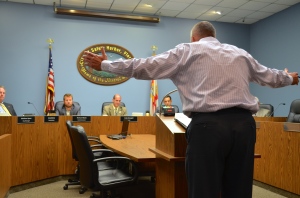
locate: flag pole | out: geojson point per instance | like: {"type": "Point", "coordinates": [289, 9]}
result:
{"type": "Point", "coordinates": [153, 88]}
{"type": "Point", "coordinates": [50, 94]}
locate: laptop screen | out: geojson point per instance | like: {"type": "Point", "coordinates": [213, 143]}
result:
{"type": "Point", "coordinates": [125, 127]}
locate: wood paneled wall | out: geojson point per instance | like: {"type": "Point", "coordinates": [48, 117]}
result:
{"type": "Point", "coordinates": [5, 164]}
{"type": "Point", "coordinates": [43, 150]}
{"type": "Point", "coordinates": [279, 164]}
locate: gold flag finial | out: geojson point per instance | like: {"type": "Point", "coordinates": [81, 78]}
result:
{"type": "Point", "coordinates": [50, 41]}
{"type": "Point", "coordinates": [154, 48]}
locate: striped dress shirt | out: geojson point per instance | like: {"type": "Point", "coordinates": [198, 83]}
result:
{"type": "Point", "coordinates": [209, 75]}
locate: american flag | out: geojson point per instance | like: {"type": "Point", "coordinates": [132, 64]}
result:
{"type": "Point", "coordinates": [153, 97]}
{"type": "Point", "coordinates": [153, 89]}
{"type": "Point", "coordinates": [50, 87]}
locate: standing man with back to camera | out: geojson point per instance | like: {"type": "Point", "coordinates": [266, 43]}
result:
{"type": "Point", "coordinates": [213, 83]}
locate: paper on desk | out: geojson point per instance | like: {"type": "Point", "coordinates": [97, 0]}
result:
{"type": "Point", "coordinates": [182, 119]}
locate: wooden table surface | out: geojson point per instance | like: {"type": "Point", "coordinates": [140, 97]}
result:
{"type": "Point", "coordinates": [135, 146]}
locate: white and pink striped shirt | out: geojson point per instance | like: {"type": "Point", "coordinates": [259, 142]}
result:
{"type": "Point", "coordinates": [209, 75]}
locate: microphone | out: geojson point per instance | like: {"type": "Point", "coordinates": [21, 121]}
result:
{"type": "Point", "coordinates": [276, 109]}
{"type": "Point", "coordinates": [34, 107]}
{"type": "Point", "coordinates": [160, 106]}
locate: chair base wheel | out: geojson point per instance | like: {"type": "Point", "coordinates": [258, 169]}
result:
{"type": "Point", "coordinates": [82, 190]}
{"type": "Point", "coordinates": [65, 187]}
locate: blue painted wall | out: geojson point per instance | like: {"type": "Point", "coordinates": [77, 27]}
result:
{"type": "Point", "coordinates": [25, 28]}
{"type": "Point", "coordinates": [275, 43]}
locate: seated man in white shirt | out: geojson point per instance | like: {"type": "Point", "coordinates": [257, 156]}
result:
{"type": "Point", "coordinates": [262, 112]}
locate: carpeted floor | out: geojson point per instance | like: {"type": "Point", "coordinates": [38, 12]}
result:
{"type": "Point", "coordinates": [143, 189]}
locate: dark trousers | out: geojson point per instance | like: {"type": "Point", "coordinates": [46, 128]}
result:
{"type": "Point", "coordinates": [220, 154]}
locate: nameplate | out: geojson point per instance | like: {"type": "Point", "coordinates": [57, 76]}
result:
{"type": "Point", "coordinates": [291, 127]}
{"type": "Point", "coordinates": [51, 118]}
{"type": "Point", "coordinates": [26, 119]}
{"type": "Point", "coordinates": [257, 125]}
{"type": "Point", "coordinates": [81, 118]}
{"type": "Point", "coordinates": [129, 118]}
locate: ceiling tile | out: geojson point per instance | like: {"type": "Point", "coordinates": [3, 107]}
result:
{"type": "Point", "coordinates": [175, 6]}
{"type": "Point", "coordinates": [146, 10]}
{"type": "Point", "coordinates": [254, 5]}
{"type": "Point", "coordinates": [21, 1]}
{"type": "Point", "coordinates": [287, 2]}
{"type": "Point", "coordinates": [240, 13]}
{"type": "Point", "coordinates": [73, 3]}
{"type": "Point", "coordinates": [259, 15]}
{"type": "Point", "coordinates": [236, 11]}
{"type": "Point", "coordinates": [98, 5]}
{"type": "Point", "coordinates": [154, 3]}
{"type": "Point", "coordinates": [183, 1]}
{"type": "Point", "coordinates": [207, 2]}
{"type": "Point", "coordinates": [169, 13]}
{"type": "Point", "coordinates": [188, 15]}
{"type": "Point", "coordinates": [232, 3]}
{"type": "Point", "coordinates": [130, 3]}
{"type": "Point", "coordinates": [228, 19]}
{"type": "Point", "coordinates": [209, 16]}
{"type": "Point", "coordinates": [122, 8]}
{"type": "Point", "coordinates": [196, 8]}
{"type": "Point", "coordinates": [274, 8]}
{"type": "Point", "coordinates": [224, 11]}
{"type": "Point", "coordinates": [265, 1]}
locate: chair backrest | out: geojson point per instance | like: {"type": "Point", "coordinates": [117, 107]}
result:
{"type": "Point", "coordinates": [69, 125]}
{"type": "Point", "coordinates": [108, 103]}
{"type": "Point", "coordinates": [294, 114]}
{"type": "Point", "coordinates": [175, 107]}
{"type": "Point", "coordinates": [268, 107]}
{"type": "Point", "coordinates": [88, 169]}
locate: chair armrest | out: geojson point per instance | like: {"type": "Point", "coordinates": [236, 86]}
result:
{"type": "Point", "coordinates": [133, 170]}
{"type": "Point", "coordinates": [102, 150]}
{"type": "Point", "coordinates": [97, 145]}
{"type": "Point", "coordinates": [94, 140]}
{"type": "Point", "coordinates": [93, 137]}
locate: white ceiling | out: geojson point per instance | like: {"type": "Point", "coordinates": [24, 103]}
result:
{"type": "Point", "coordinates": [232, 11]}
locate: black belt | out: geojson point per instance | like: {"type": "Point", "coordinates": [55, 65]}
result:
{"type": "Point", "coordinates": [227, 110]}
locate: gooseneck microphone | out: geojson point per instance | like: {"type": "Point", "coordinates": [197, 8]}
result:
{"type": "Point", "coordinates": [276, 109]}
{"type": "Point", "coordinates": [160, 106]}
{"type": "Point", "coordinates": [34, 107]}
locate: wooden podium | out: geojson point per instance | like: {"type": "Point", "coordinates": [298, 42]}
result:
{"type": "Point", "coordinates": [170, 159]}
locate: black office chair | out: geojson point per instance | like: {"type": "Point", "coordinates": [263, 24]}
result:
{"type": "Point", "coordinates": [294, 114]}
{"type": "Point", "coordinates": [99, 154]}
{"type": "Point", "coordinates": [106, 181]}
{"type": "Point", "coordinates": [268, 107]}
{"type": "Point", "coordinates": [108, 103]}
{"type": "Point", "coordinates": [175, 107]}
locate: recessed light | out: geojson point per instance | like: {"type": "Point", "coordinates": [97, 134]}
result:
{"type": "Point", "coordinates": [148, 5]}
{"type": "Point", "coordinates": [218, 12]}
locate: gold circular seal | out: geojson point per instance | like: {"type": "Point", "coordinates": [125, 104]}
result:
{"type": "Point", "coordinates": [101, 77]}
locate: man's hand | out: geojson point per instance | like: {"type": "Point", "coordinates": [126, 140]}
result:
{"type": "Point", "coordinates": [294, 76]}
{"type": "Point", "coordinates": [93, 60]}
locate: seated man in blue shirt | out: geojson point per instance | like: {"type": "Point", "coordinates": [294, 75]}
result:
{"type": "Point", "coordinates": [67, 107]}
